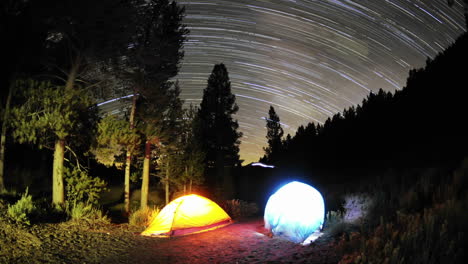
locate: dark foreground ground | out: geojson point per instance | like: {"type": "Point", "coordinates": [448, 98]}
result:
{"type": "Point", "coordinates": [241, 242]}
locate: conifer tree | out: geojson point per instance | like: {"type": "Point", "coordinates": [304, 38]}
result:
{"type": "Point", "coordinates": [161, 125]}
{"type": "Point", "coordinates": [218, 128]}
{"type": "Point", "coordinates": [153, 58]}
{"type": "Point", "coordinates": [73, 33]}
{"type": "Point", "coordinates": [274, 136]}
{"type": "Point", "coordinates": [23, 24]}
{"type": "Point", "coordinates": [53, 117]}
{"type": "Point", "coordinates": [114, 136]}
{"type": "Point", "coordinates": [193, 155]}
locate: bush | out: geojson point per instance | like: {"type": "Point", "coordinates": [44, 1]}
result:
{"type": "Point", "coordinates": [7, 193]}
{"type": "Point", "coordinates": [143, 217]}
{"type": "Point", "coordinates": [334, 223]}
{"type": "Point", "coordinates": [82, 188]}
{"type": "Point", "coordinates": [430, 227]}
{"type": "Point", "coordinates": [87, 213]}
{"type": "Point", "coordinates": [238, 209]}
{"type": "Point", "coordinates": [437, 235]}
{"type": "Point", "coordinates": [356, 207]}
{"type": "Point", "coordinates": [22, 209]}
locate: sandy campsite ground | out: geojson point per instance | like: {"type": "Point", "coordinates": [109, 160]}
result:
{"type": "Point", "coordinates": [244, 241]}
{"type": "Point", "coordinates": [240, 242]}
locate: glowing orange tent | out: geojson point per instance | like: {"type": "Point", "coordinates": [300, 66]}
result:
{"type": "Point", "coordinates": [187, 215]}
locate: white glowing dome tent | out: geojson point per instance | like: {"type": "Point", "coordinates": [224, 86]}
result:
{"type": "Point", "coordinates": [295, 211]}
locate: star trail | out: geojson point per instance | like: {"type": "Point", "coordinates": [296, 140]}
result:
{"type": "Point", "coordinates": [309, 59]}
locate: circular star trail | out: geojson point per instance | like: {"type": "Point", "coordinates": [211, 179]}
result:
{"type": "Point", "coordinates": [309, 59]}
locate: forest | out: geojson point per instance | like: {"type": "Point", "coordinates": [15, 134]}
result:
{"type": "Point", "coordinates": [67, 163]}
{"type": "Point", "coordinates": [401, 155]}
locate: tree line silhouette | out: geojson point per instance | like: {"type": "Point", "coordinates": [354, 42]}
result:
{"type": "Point", "coordinates": [422, 125]}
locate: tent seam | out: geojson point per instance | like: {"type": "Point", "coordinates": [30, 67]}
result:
{"type": "Point", "coordinates": [173, 218]}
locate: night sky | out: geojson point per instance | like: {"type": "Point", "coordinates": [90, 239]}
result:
{"type": "Point", "coordinates": [309, 59]}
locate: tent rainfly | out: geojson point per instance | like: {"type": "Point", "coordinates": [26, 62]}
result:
{"type": "Point", "coordinates": [295, 212]}
{"type": "Point", "coordinates": [187, 215]}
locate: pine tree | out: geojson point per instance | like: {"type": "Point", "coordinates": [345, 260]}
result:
{"type": "Point", "coordinates": [153, 59]}
{"type": "Point", "coordinates": [72, 33]}
{"type": "Point", "coordinates": [57, 37]}
{"type": "Point", "coordinates": [274, 136]}
{"type": "Point", "coordinates": [218, 129]}
{"type": "Point", "coordinates": [193, 155]}
{"type": "Point", "coordinates": [150, 60]}
{"type": "Point", "coordinates": [161, 125]}
{"type": "Point", "coordinates": [114, 136]}
{"type": "Point", "coordinates": [53, 117]}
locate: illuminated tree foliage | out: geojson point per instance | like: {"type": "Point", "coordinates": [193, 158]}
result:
{"type": "Point", "coordinates": [161, 121]}
{"type": "Point", "coordinates": [152, 59]}
{"type": "Point", "coordinates": [23, 26]}
{"type": "Point", "coordinates": [218, 128]}
{"type": "Point", "coordinates": [114, 136]}
{"type": "Point", "coordinates": [64, 38]}
{"type": "Point", "coordinates": [185, 160]}
{"type": "Point", "coordinates": [50, 116]}
{"type": "Point", "coordinates": [193, 153]}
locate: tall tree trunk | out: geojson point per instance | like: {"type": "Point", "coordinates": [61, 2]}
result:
{"type": "Point", "coordinates": [128, 160]}
{"type": "Point", "coordinates": [58, 197]}
{"type": "Point", "coordinates": [3, 136]}
{"type": "Point", "coordinates": [190, 186]}
{"type": "Point", "coordinates": [145, 177]}
{"type": "Point", "coordinates": [167, 183]}
{"type": "Point", "coordinates": [71, 78]}
{"type": "Point", "coordinates": [58, 192]}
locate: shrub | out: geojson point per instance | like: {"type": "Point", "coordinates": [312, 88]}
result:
{"type": "Point", "coordinates": [22, 209]}
{"type": "Point", "coordinates": [238, 209]}
{"type": "Point", "coordinates": [356, 207]}
{"type": "Point", "coordinates": [7, 193]}
{"type": "Point", "coordinates": [82, 188]}
{"type": "Point", "coordinates": [143, 217]}
{"type": "Point", "coordinates": [430, 227]}
{"type": "Point", "coordinates": [334, 223]}
{"type": "Point", "coordinates": [88, 213]}
{"type": "Point", "coordinates": [437, 235]}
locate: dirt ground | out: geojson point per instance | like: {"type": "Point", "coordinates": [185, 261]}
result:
{"type": "Point", "coordinates": [240, 242]}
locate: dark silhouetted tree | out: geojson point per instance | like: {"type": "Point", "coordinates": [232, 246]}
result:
{"type": "Point", "coordinates": [274, 136]}
{"type": "Point", "coordinates": [392, 130]}
{"type": "Point", "coordinates": [218, 128]}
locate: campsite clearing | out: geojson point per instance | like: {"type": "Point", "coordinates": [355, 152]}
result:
{"type": "Point", "coordinates": [241, 242]}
